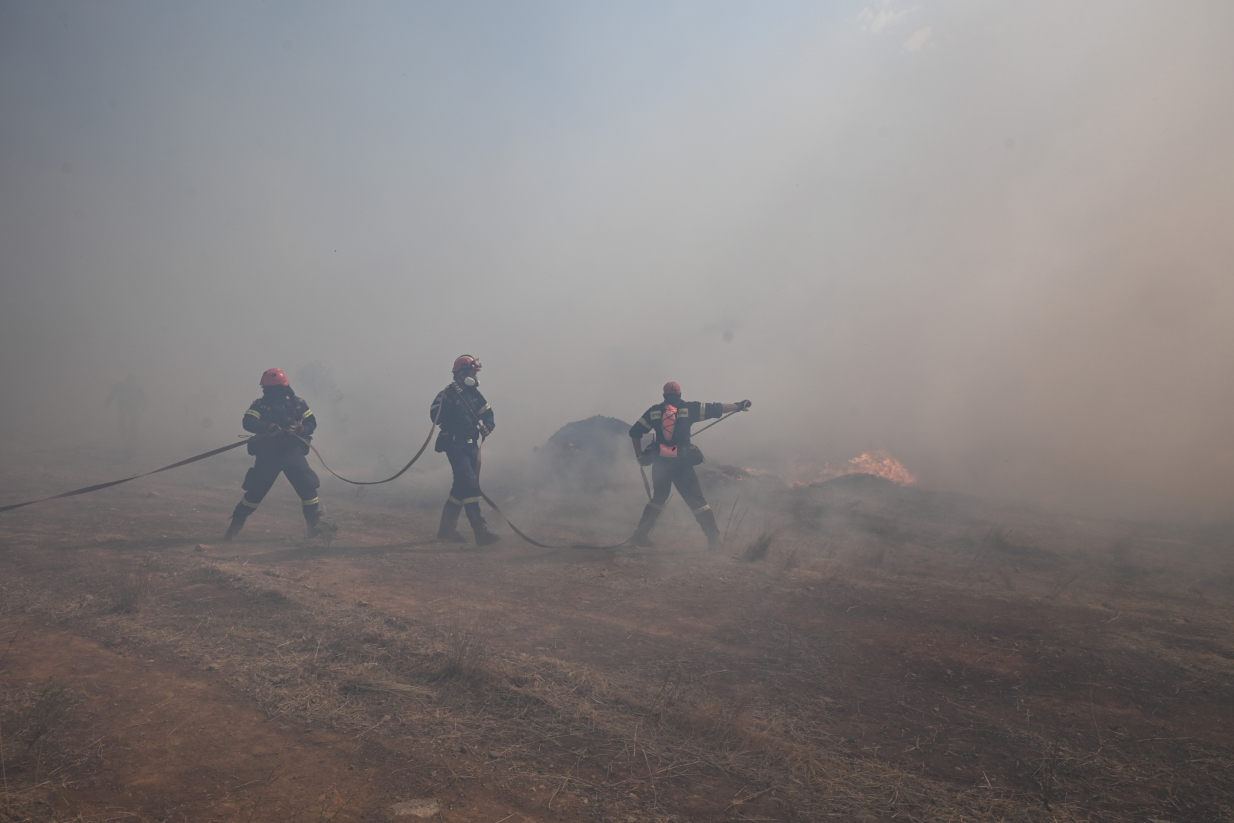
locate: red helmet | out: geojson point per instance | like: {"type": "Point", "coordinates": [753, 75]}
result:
{"type": "Point", "coordinates": [274, 377]}
{"type": "Point", "coordinates": [466, 361]}
{"type": "Point", "coordinates": [672, 388]}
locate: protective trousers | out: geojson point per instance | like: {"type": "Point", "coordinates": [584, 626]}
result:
{"type": "Point", "coordinates": [257, 483]}
{"type": "Point", "coordinates": [464, 494]}
{"type": "Point", "coordinates": [669, 472]}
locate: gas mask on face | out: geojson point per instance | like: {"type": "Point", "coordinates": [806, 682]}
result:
{"type": "Point", "coordinates": [470, 380]}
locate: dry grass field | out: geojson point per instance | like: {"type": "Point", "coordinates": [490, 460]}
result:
{"type": "Point", "coordinates": [858, 652]}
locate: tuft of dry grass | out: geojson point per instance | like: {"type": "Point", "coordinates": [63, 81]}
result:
{"type": "Point", "coordinates": [132, 592]}
{"type": "Point", "coordinates": [466, 646]}
{"type": "Point", "coordinates": [758, 548]}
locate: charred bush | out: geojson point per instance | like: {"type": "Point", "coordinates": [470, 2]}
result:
{"type": "Point", "coordinates": [32, 721]}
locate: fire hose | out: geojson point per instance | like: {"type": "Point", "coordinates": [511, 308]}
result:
{"type": "Point", "coordinates": [212, 453]}
{"type": "Point", "coordinates": [401, 471]}
{"type": "Point", "coordinates": [98, 486]}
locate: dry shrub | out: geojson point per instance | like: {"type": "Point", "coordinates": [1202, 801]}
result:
{"type": "Point", "coordinates": [758, 548]}
{"type": "Point", "coordinates": [790, 560]}
{"type": "Point", "coordinates": [32, 718]}
{"type": "Point", "coordinates": [212, 575]}
{"type": "Point", "coordinates": [31, 753]}
{"type": "Point", "coordinates": [132, 592]}
{"type": "Point", "coordinates": [31, 723]}
{"type": "Point", "coordinates": [466, 646]}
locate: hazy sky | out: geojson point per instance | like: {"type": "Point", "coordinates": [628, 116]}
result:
{"type": "Point", "coordinates": [993, 238]}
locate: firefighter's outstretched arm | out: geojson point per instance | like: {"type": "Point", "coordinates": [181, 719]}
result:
{"type": "Point", "coordinates": [725, 408]}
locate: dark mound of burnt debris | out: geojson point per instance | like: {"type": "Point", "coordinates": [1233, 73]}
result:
{"type": "Point", "coordinates": [859, 483]}
{"type": "Point", "coordinates": [876, 508]}
{"type": "Point", "coordinates": [721, 473]}
{"type": "Point", "coordinates": [585, 453]}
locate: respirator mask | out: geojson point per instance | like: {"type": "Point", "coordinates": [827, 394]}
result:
{"type": "Point", "coordinates": [470, 381]}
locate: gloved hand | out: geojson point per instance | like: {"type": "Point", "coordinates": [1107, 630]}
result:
{"type": "Point", "coordinates": [273, 428]}
{"type": "Point", "coordinates": [296, 428]}
{"type": "Point", "coordinates": [745, 405]}
{"type": "Point", "coordinates": [485, 431]}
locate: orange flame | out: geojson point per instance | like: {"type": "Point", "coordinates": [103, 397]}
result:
{"type": "Point", "coordinates": [878, 463]}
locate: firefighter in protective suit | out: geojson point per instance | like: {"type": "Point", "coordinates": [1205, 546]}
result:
{"type": "Point", "coordinates": [465, 418]}
{"type": "Point", "coordinates": [284, 424]}
{"type": "Point", "coordinates": [672, 458]}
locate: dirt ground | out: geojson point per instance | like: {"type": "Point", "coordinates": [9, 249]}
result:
{"type": "Point", "coordinates": [929, 665]}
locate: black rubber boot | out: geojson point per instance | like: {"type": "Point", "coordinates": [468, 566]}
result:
{"type": "Point", "coordinates": [650, 515]}
{"type": "Point", "coordinates": [238, 516]}
{"type": "Point", "coordinates": [707, 519]}
{"type": "Point", "coordinates": [448, 530]}
{"type": "Point", "coordinates": [484, 537]}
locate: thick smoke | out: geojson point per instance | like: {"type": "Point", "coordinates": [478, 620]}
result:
{"type": "Point", "coordinates": [991, 239]}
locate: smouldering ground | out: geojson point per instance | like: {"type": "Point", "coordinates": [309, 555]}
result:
{"type": "Point", "coordinates": [915, 668]}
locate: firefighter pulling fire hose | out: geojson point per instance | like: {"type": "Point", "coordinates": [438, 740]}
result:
{"type": "Point", "coordinates": [287, 423]}
{"type": "Point", "coordinates": [672, 458]}
{"type": "Point", "coordinates": [466, 418]}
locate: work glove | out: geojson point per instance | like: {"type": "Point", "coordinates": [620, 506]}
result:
{"type": "Point", "coordinates": [744, 405]}
{"type": "Point", "coordinates": [273, 428]}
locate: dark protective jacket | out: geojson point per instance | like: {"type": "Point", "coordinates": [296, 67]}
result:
{"type": "Point", "coordinates": [283, 409]}
{"type": "Point", "coordinates": [462, 409]}
{"type": "Point", "coordinates": [687, 414]}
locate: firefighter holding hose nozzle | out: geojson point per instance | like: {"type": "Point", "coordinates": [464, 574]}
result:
{"type": "Point", "coordinates": [284, 425]}
{"type": "Point", "coordinates": [465, 418]}
{"type": "Point", "coordinates": [672, 458]}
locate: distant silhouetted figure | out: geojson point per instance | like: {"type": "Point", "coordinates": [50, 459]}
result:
{"type": "Point", "coordinates": [130, 401]}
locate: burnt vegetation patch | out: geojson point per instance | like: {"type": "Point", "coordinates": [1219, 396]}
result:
{"type": "Point", "coordinates": [35, 757]}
